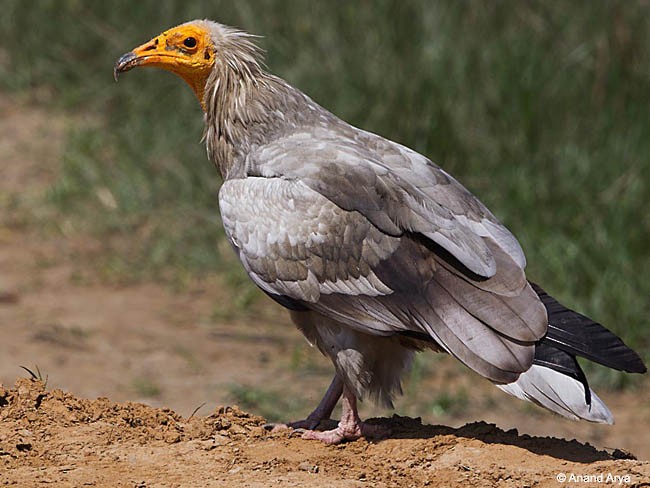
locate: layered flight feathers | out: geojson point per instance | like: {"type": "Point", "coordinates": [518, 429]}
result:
{"type": "Point", "coordinates": [559, 393]}
{"type": "Point", "coordinates": [297, 244]}
{"type": "Point", "coordinates": [556, 381]}
{"type": "Point", "coordinates": [579, 335]}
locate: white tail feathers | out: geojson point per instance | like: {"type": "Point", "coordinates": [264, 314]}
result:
{"type": "Point", "coordinates": [559, 393]}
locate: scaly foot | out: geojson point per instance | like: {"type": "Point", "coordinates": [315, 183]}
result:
{"type": "Point", "coordinates": [350, 427]}
{"type": "Point", "coordinates": [347, 432]}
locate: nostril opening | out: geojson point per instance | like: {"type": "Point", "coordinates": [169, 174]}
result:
{"type": "Point", "coordinates": [150, 47]}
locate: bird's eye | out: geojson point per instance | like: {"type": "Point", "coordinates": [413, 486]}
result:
{"type": "Point", "coordinates": [189, 42]}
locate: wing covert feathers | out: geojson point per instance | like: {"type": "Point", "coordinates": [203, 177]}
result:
{"type": "Point", "coordinates": [294, 242]}
{"type": "Point", "coordinates": [395, 188]}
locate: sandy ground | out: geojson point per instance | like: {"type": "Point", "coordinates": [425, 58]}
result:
{"type": "Point", "coordinates": [148, 343]}
{"type": "Point", "coordinates": [52, 437]}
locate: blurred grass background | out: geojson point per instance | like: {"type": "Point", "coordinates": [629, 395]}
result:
{"type": "Point", "coordinates": [541, 108]}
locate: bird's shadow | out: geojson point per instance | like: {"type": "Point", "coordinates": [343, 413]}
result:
{"type": "Point", "coordinates": [410, 428]}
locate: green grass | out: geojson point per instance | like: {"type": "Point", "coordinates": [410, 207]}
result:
{"type": "Point", "coordinates": [447, 404]}
{"type": "Point", "coordinates": [146, 387]}
{"type": "Point", "coordinates": [272, 405]}
{"type": "Point", "coordinates": [539, 107]}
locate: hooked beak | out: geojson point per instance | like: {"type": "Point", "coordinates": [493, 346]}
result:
{"type": "Point", "coordinates": [152, 53]}
{"type": "Point", "coordinates": [125, 63]}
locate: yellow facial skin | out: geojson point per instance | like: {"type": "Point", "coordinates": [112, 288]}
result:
{"type": "Point", "coordinates": [186, 50]}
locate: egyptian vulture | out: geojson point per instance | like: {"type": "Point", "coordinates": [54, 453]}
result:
{"type": "Point", "coordinates": [376, 251]}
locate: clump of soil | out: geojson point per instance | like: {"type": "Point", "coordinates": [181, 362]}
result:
{"type": "Point", "coordinates": [38, 412]}
{"type": "Point", "coordinates": [53, 437]}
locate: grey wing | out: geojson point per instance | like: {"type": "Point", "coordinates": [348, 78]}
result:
{"type": "Point", "coordinates": [397, 189]}
{"type": "Point", "coordinates": [296, 243]}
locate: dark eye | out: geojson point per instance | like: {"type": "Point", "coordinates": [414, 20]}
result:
{"type": "Point", "coordinates": [189, 42]}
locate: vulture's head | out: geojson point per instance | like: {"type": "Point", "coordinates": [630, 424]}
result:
{"type": "Point", "coordinates": [197, 51]}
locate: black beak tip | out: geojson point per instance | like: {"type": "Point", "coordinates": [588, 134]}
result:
{"type": "Point", "coordinates": [124, 63]}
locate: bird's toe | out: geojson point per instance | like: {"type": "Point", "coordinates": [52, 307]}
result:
{"type": "Point", "coordinates": [301, 425]}
{"type": "Point", "coordinates": [330, 437]}
{"type": "Point", "coordinates": [347, 432]}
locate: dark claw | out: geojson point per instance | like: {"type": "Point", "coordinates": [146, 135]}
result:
{"type": "Point", "coordinates": [297, 432]}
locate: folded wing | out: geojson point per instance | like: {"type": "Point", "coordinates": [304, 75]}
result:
{"type": "Point", "coordinates": [306, 250]}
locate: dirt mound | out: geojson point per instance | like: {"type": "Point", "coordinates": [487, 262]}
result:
{"type": "Point", "coordinates": [53, 437]}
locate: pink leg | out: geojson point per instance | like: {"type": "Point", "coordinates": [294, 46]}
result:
{"type": "Point", "coordinates": [322, 412]}
{"type": "Point", "coordinates": [350, 427]}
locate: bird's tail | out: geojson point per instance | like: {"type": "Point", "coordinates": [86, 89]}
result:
{"type": "Point", "coordinates": [556, 381]}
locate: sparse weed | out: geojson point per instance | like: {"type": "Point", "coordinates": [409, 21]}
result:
{"type": "Point", "coordinates": [38, 376]}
